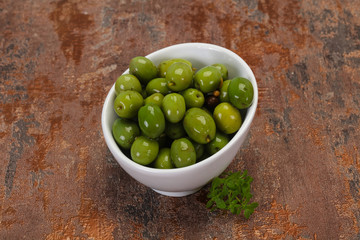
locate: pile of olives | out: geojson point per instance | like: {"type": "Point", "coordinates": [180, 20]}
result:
{"type": "Point", "coordinates": [172, 115]}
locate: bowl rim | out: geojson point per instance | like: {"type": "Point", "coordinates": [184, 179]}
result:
{"type": "Point", "coordinates": [115, 149]}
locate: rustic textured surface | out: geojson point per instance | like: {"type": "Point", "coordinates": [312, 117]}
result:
{"type": "Point", "coordinates": [58, 59]}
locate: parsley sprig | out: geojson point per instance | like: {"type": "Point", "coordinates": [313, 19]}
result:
{"type": "Point", "coordinates": [231, 191]}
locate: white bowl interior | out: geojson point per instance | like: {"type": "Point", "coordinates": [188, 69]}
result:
{"type": "Point", "coordinates": [184, 181]}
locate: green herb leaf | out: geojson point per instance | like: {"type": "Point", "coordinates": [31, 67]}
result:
{"type": "Point", "coordinates": [220, 203]}
{"type": "Point", "coordinates": [210, 203]}
{"type": "Point", "coordinates": [231, 191]}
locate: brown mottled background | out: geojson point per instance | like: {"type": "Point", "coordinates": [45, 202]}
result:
{"type": "Point", "coordinates": [58, 59]}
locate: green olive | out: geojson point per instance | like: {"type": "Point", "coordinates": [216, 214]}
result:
{"type": "Point", "coordinates": [175, 130]}
{"type": "Point", "coordinates": [223, 70]}
{"type": "Point", "coordinates": [143, 68]}
{"type": "Point", "coordinates": [207, 79]}
{"type": "Point", "coordinates": [182, 153]}
{"type": "Point", "coordinates": [151, 120]}
{"type": "Point", "coordinates": [164, 65]}
{"type": "Point", "coordinates": [125, 131]}
{"type": "Point", "coordinates": [144, 150]}
{"type": "Point", "coordinates": [218, 143]}
{"type": "Point", "coordinates": [155, 98]}
{"type": "Point", "coordinates": [179, 76]}
{"type": "Point", "coordinates": [227, 118]}
{"type": "Point", "coordinates": [224, 96]}
{"type": "Point", "coordinates": [163, 160]}
{"type": "Point", "coordinates": [173, 107]}
{"type": "Point", "coordinates": [241, 92]}
{"type": "Point", "coordinates": [127, 82]}
{"type": "Point", "coordinates": [127, 104]}
{"type": "Point", "coordinates": [193, 98]}
{"type": "Point", "coordinates": [199, 125]}
{"type": "Point", "coordinates": [172, 116]}
{"type": "Point", "coordinates": [157, 85]}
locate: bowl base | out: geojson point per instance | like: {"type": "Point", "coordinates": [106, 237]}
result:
{"type": "Point", "coordinates": [177, 194]}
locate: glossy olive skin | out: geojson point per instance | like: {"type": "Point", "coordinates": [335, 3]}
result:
{"type": "Point", "coordinates": [207, 79]}
{"type": "Point", "coordinates": [193, 98]}
{"type": "Point", "coordinates": [143, 68]}
{"type": "Point", "coordinates": [144, 150]}
{"type": "Point", "coordinates": [155, 98]}
{"type": "Point", "coordinates": [223, 70]}
{"type": "Point", "coordinates": [199, 125]}
{"type": "Point", "coordinates": [224, 96]}
{"type": "Point", "coordinates": [182, 153]}
{"type": "Point", "coordinates": [175, 130]}
{"type": "Point", "coordinates": [179, 76]}
{"type": "Point", "coordinates": [218, 143]}
{"type": "Point", "coordinates": [164, 65]}
{"type": "Point", "coordinates": [241, 92]}
{"type": "Point", "coordinates": [124, 132]}
{"type": "Point", "coordinates": [157, 85]}
{"type": "Point", "coordinates": [127, 104]}
{"type": "Point", "coordinates": [151, 120]}
{"type": "Point", "coordinates": [227, 118]}
{"type": "Point", "coordinates": [163, 160]}
{"type": "Point", "coordinates": [127, 82]}
{"type": "Point", "coordinates": [173, 107]}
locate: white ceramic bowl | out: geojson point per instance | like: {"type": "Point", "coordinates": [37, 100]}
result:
{"type": "Point", "coordinates": [184, 181]}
